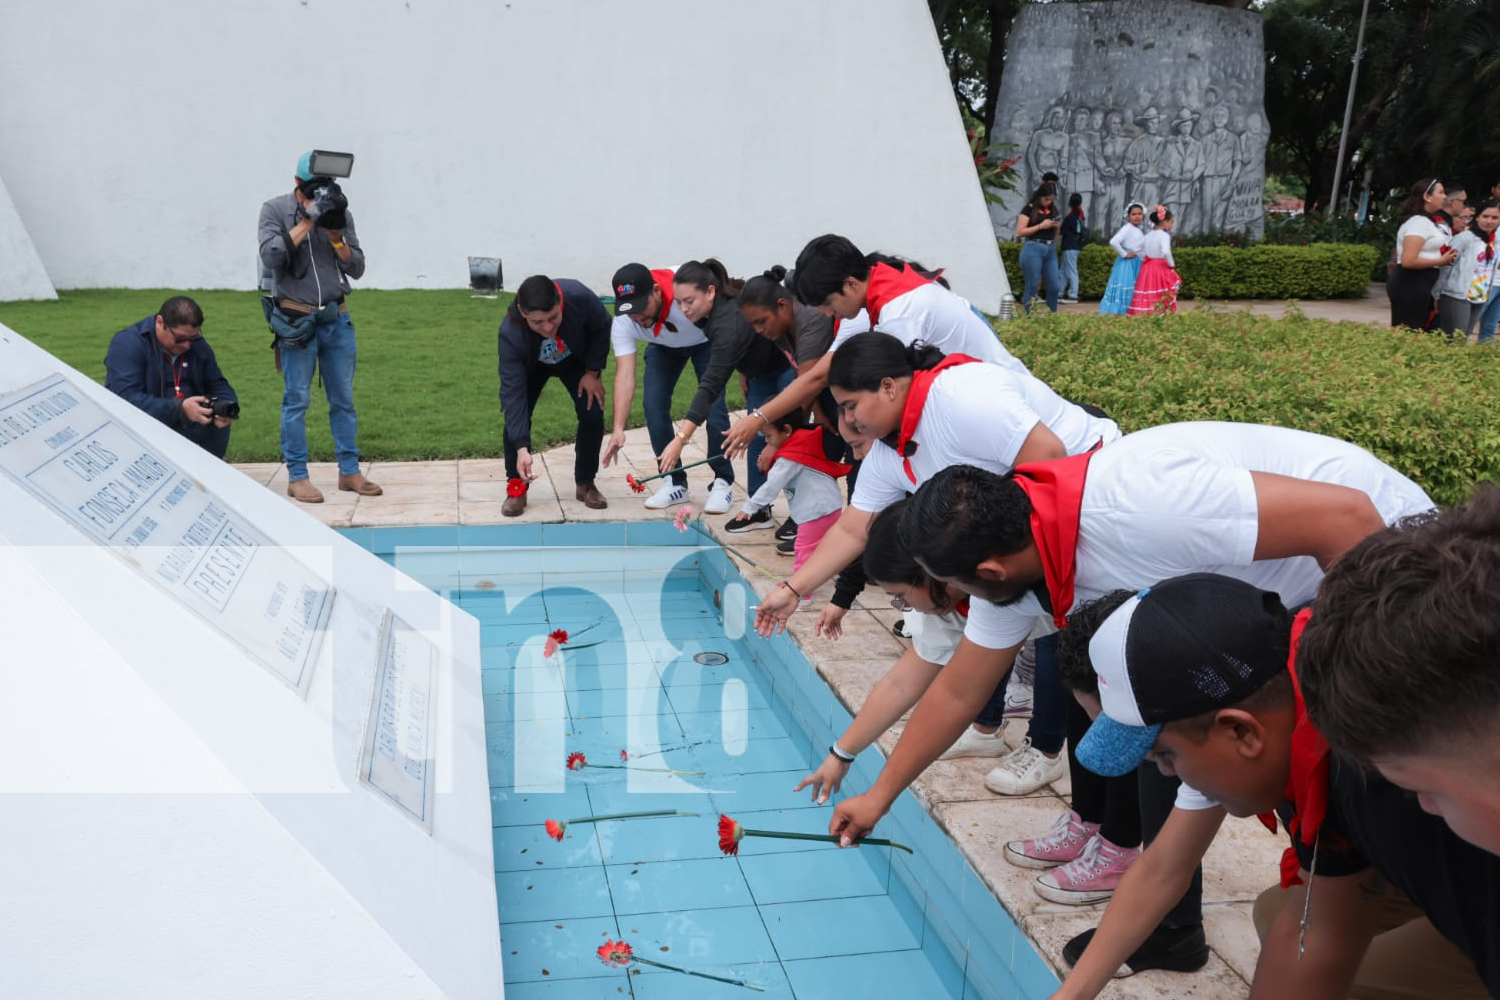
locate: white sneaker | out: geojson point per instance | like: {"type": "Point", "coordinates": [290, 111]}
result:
{"type": "Point", "coordinates": [720, 497]}
{"type": "Point", "coordinates": [670, 495]}
{"type": "Point", "coordinates": [1025, 770]}
{"type": "Point", "coordinates": [1017, 700]}
{"type": "Point", "coordinates": [973, 743]}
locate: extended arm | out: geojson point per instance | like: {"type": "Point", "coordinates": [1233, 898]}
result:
{"type": "Point", "coordinates": [1298, 517]}
{"type": "Point", "coordinates": [1339, 930]}
{"type": "Point", "coordinates": [801, 392]}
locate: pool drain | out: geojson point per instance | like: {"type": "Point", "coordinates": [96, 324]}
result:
{"type": "Point", "coordinates": [710, 659]}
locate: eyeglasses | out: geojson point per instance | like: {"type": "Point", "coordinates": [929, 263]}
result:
{"type": "Point", "coordinates": [900, 605]}
{"type": "Point", "coordinates": [179, 339]}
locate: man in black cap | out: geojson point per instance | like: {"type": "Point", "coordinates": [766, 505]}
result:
{"type": "Point", "coordinates": [553, 329]}
{"type": "Point", "coordinates": [1199, 673]}
{"type": "Point", "coordinates": [646, 313]}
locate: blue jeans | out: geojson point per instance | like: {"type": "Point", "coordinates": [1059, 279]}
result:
{"type": "Point", "coordinates": [1049, 702]}
{"type": "Point", "coordinates": [1039, 262]}
{"type": "Point", "coordinates": [664, 367]}
{"type": "Point", "coordinates": [1070, 273]}
{"type": "Point", "coordinates": [759, 390]}
{"type": "Point", "coordinates": [334, 350]}
{"type": "Point", "coordinates": [214, 440]}
{"type": "Point", "coordinates": [1490, 317]}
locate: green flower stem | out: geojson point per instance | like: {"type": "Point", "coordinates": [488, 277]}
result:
{"type": "Point", "coordinates": [658, 770]}
{"type": "Point", "coordinates": [634, 815]}
{"type": "Point", "coordinates": [690, 465]}
{"type": "Point", "coordinates": [700, 975]}
{"type": "Point", "coordinates": [731, 549]}
{"type": "Point", "coordinates": [826, 838]}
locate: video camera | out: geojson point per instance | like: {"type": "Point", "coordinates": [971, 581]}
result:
{"type": "Point", "coordinates": [229, 409]}
{"type": "Point", "coordinates": [324, 191]}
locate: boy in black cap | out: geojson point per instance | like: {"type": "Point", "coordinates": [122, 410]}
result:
{"type": "Point", "coordinates": [1198, 673]}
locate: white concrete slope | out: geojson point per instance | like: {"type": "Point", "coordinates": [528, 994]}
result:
{"type": "Point", "coordinates": [189, 808]}
{"type": "Point", "coordinates": [22, 275]}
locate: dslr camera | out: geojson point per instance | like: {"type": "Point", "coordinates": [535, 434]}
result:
{"type": "Point", "coordinates": [229, 409]}
{"type": "Point", "coordinates": [324, 191]}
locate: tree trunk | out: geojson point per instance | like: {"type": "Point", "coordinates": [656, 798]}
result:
{"type": "Point", "coordinates": [1002, 13]}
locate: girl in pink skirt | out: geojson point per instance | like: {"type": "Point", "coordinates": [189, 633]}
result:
{"type": "Point", "coordinates": [1156, 287]}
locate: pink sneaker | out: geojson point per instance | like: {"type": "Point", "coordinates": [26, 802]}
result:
{"type": "Point", "coordinates": [1091, 877]}
{"type": "Point", "coordinates": [1064, 842]}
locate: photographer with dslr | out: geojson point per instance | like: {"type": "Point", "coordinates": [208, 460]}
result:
{"type": "Point", "coordinates": [308, 243]}
{"type": "Point", "coordinates": [163, 366]}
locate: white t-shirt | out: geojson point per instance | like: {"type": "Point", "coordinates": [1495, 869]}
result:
{"type": "Point", "coordinates": [1158, 244]}
{"type": "Point", "coordinates": [625, 333]}
{"type": "Point", "coordinates": [1128, 239]}
{"type": "Point", "coordinates": [935, 637]}
{"type": "Point", "coordinates": [847, 328]}
{"type": "Point", "coordinates": [976, 415]}
{"type": "Point", "coordinates": [1179, 499]}
{"type": "Point", "coordinates": [1433, 238]}
{"type": "Point", "coordinates": [934, 315]}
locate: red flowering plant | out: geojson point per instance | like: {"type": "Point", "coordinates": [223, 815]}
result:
{"type": "Point", "coordinates": [731, 833]}
{"type": "Point", "coordinates": [558, 638]}
{"type": "Point", "coordinates": [993, 161]}
{"type": "Point", "coordinates": [577, 762]}
{"type": "Point", "coordinates": [516, 487]}
{"type": "Point", "coordinates": [619, 954]}
{"type": "Point", "coordinates": [556, 828]}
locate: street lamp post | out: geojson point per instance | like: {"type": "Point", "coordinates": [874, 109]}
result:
{"type": "Point", "coordinates": [1359, 53]}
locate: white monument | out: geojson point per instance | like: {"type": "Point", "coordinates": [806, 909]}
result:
{"type": "Point", "coordinates": [562, 136]}
{"type": "Point", "coordinates": [247, 757]}
{"type": "Point", "coordinates": [22, 275]}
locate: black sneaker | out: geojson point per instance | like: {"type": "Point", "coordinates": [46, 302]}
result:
{"type": "Point", "coordinates": [787, 531]}
{"type": "Point", "coordinates": [759, 521]}
{"type": "Point", "coordinates": [899, 630]}
{"type": "Point", "coordinates": [1175, 949]}
{"type": "Point", "coordinates": [787, 546]}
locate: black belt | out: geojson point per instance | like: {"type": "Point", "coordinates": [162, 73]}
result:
{"type": "Point", "coordinates": [1033, 239]}
{"type": "Point", "coordinates": [293, 307]}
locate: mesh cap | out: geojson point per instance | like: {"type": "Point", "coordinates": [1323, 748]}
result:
{"type": "Point", "coordinates": [1187, 646]}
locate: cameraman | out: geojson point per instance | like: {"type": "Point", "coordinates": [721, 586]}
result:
{"type": "Point", "coordinates": [308, 243]}
{"type": "Point", "coordinates": [163, 366]}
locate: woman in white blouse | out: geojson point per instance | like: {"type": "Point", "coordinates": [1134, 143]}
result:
{"type": "Point", "coordinates": [1421, 248]}
{"type": "Point", "coordinates": [1127, 243]}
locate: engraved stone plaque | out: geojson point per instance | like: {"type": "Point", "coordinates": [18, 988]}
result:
{"type": "Point", "coordinates": [396, 759]}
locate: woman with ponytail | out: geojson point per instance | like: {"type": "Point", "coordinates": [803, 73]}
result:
{"type": "Point", "coordinates": [1156, 287]}
{"type": "Point", "coordinates": [707, 295]}
{"type": "Point", "coordinates": [925, 411]}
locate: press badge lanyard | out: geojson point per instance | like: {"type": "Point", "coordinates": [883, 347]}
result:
{"type": "Point", "coordinates": [177, 373]}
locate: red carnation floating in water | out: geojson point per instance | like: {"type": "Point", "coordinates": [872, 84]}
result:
{"type": "Point", "coordinates": [619, 954]}
{"type": "Point", "coordinates": [554, 640]}
{"type": "Point", "coordinates": [577, 762]}
{"type": "Point", "coordinates": [731, 833]}
{"type": "Point", "coordinates": [555, 829]}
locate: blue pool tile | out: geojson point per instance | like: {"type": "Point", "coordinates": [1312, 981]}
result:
{"type": "Point", "coordinates": [791, 878]}
{"type": "Point", "coordinates": [947, 964]}
{"type": "Point", "coordinates": [730, 935]}
{"type": "Point", "coordinates": [653, 887]}
{"type": "Point", "coordinates": [826, 927]}
{"type": "Point", "coordinates": [679, 793]}
{"type": "Point", "coordinates": [512, 807]}
{"type": "Point", "coordinates": [1032, 973]}
{"type": "Point", "coordinates": [681, 838]}
{"type": "Point", "coordinates": [600, 988]}
{"type": "Point", "coordinates": [773, 790]}
{"type": "Point", "coordinates": [528, 848]}
{"type": "Point", "coordinates": [521, 752]}
{"type": "Point", "coordinates": [554, 949]}
{"type": "Point", "coordinates": [595, 535]}
{"type": "Point", "coordinates": [988, 919]}
{"type": "Point", "coordinates": [496, 535]}
{"type": "Point", "coordinates": [706, 694]}
{"type": "Point", "coordinates": [987, 973]}
{"type": "Point", "coordinates": [752, 723]}
{"type": "Point", "coordinates": [642, 701]}
{"type": "Point", "coordinates": [894, 974]}
{"type": "Point", "coordinates": [553, 894]}
{"type": "Point", "coordinates": [906, 899]}
{"type": "Point", "coordinates": [778, 754]}
{"type": "Point", "coordinates": [768, 976]}
{"type": "Point", "coordinates": [395, 539]}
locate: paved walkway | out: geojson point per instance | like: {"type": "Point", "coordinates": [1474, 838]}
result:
{"type": "Point", "coordinates": [1243, 860]}
{"type": "Point", "coordinates": [1373, 308]}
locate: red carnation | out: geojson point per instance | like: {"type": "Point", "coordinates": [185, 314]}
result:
{"type": "Point", "coordinates": [554, 640]}
{"type": "Point", "coordinates": [635, 484]}
{"type": "Point", "coordinates": [516, 487]}
{"type": "Point", "coordinates": [730, 834]}
{"type": "Point", "coordinates": [624, 755]}
{"type": "Point", "coordinates": [576, 761]}
{"type": "Point", "coordinates": [555, 829]}
{"type": "Point", "coordinates": [616, 953]}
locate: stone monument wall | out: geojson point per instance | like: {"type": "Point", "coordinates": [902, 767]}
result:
{"type": "Point", "coordinates": [1155, 101]}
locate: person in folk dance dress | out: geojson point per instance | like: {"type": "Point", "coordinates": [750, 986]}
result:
{"type": "Point", "coordinates": [1156, 287]}
{"type": "Point", "coordinates": [1127, 244]}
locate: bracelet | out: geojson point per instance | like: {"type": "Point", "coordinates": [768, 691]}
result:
{"type": "Point", "coordinates": [756, 413]}
{"type": "Point", "coordinates": [840, 752]}
{"type": "Point", "coordinates": [788, 586]}
{"type": "Point", "coordinates": [684, 437]}
{"type": "Point", "coordinates": [337, 246]}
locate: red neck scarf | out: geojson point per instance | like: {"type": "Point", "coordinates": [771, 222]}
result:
{"type": "Point", "coordinates": [886, 283]}
{"type": "Point", "coordinates": [663, 279]}
{"type": "Point", "coordinates": [562, 307]}
{"type": "Point", "coordinates": [962, 607]}
{"type": "Point", "coordinates": [916, 398]}
{"type": "Point", "coordinates": [1055, 490]}
{"type": "Point", "coordinates": [1307, 783]}
{"type": "Point", "coordinates": [805, 447]}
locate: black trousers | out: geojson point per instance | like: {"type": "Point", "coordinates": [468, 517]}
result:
{"type": "Point", "coordinates": [1410, 293]}
{"type": "Point", "coordinates": [569, 371]}
{"type": "Point", "coordinates": [1113, 803]}
{"type": "Point", "coordinates": [1158, 794]}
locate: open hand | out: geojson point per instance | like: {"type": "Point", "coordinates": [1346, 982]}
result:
{"type": "Point", "coordinates": [826, 779]}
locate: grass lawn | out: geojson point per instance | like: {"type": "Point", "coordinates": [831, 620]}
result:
{"type": "Point", "coordinates": [427, 385]}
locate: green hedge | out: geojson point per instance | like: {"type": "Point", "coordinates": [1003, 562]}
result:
{"type": "Point", "coordinates": [1263, 271]}
{"type": "Point", "coordinates": [1422, 405]}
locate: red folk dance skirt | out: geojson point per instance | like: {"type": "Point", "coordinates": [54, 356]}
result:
{"type": "Point", "coordinates": [1155, 289]}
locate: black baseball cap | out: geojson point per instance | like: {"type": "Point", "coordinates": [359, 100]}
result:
{"type": "Point", "coordinates": [1184, 647]}
{"type": "Point", "coordinates": [632, 285]}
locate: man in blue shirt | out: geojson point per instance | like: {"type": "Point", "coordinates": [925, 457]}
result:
{"type": "Point", "coordinates": [162, 365]}
{"type": "Point", "coordinates": [553, 329]}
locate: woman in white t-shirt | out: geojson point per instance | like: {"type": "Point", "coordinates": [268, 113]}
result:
{"type": "Point", "coordinates": [1464, 287]}
{"type": "Point", "coordinates": [1421, 248]}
